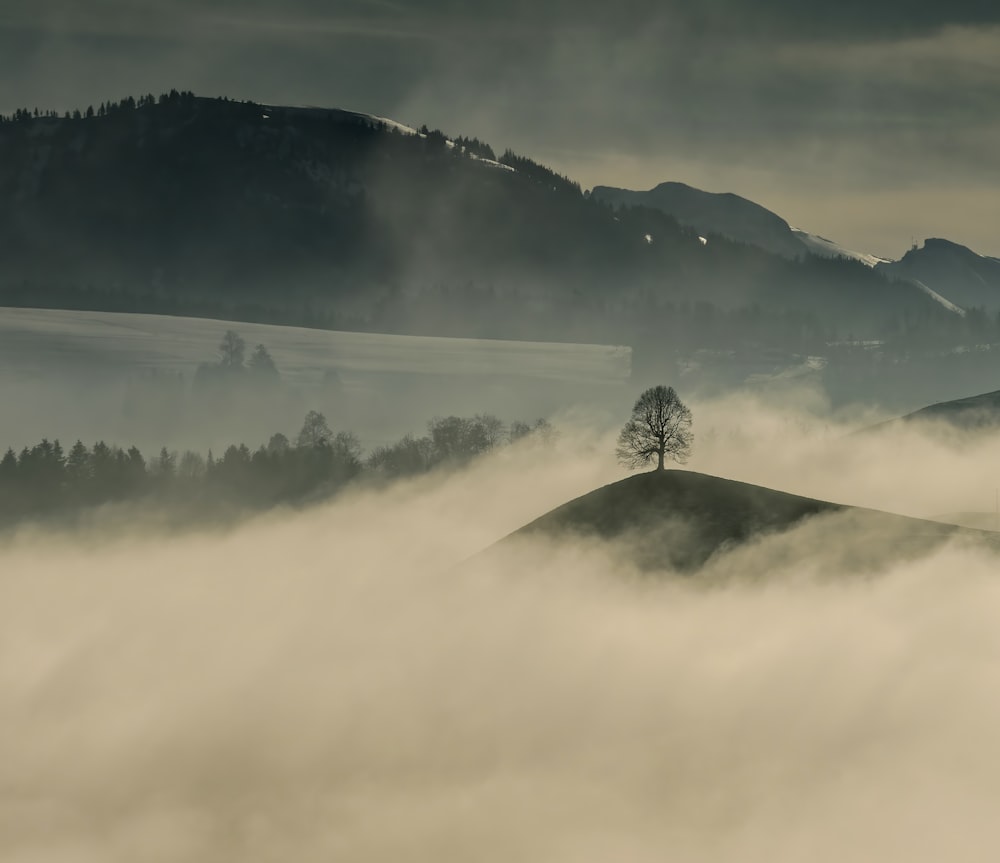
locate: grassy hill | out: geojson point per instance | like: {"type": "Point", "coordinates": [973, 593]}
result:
{"type": "Point", "coordinates": [969, 414]}
{"type": "Point", "coordinates": [678, 519]}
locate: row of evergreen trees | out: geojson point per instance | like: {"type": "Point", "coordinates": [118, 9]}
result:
{"type": "Point", "coordinates": [46, 482]}
{"type": "Point", "coordinates": [105, 109]}
{"type": "Point", "coordinates": [177, 98]}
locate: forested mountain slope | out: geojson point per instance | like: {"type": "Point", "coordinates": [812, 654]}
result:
{"type": "Point", "coordinates": [324, 217]}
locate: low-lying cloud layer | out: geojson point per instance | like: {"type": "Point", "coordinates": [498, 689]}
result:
{"type": "Point", "coordinates": [338, 684]}
{"type": "Point", "coordinates": [921, 469]}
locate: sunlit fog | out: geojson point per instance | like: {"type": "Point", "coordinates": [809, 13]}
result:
{"type": "Point", "coordinates": [558, 432]}
{"type": "Point", "coordinates": [358, 681]}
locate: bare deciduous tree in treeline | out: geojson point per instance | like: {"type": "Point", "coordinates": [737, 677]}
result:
{"type": "Point", "coordinates": [232, 350]}
{"type": "Point", "coordinates": [660, 427]}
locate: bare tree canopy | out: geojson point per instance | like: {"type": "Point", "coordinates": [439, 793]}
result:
{"type": "Point", "coordinates": [314, 432]}
{"type": "Point", "coordinates": [660, 426]}
{"type": "Point", "coordinates": [232, 350]}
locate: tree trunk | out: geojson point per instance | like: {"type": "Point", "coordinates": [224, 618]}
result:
{"type": "Point", "coordinates": [659, 466]}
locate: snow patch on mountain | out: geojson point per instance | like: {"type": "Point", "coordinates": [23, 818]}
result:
{"type": "Point", "coordinates": [450, 144]}
{"type": "Point", "coordinates": [402, 128]}
{"type": "Point", "coordinates": [825, 248]}
{"type": "Point", "coordinates": [387, 123]}
{"type": "Point", "coordinates": [948, 304]}
{"type": "Point", "coordinates": [491, 163]}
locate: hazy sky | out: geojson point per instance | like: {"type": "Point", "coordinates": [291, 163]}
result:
{"type": "Point", "coordinates": [867, 122]}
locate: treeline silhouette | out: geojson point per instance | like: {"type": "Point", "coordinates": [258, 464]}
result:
{"type": "Point", "coordinates": [46, 483]}
{"type": "Point", "coordinates": [105, 109]}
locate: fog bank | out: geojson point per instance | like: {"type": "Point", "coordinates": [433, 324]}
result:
{"type": "Point", "coordinates": [338, 684]}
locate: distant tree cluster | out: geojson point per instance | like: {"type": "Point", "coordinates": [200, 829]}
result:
{"type": "Point", "coordinates": [435, 138]}
{"type": "Point", "coordinates": [46, 482]}
{"type": "Point", "coordinates": [932, 328]}
{"type": "Point", "coordinates": [539, 173]}
{"type": "Point", "coordinates": [475, 147]}
{"type": "Point", "coordinates": [44, 477]}
{"type": "Point", "coordinates": [237, 384]}
{"type": "Point", "coordinates": [451, 441]}
{"type": "Point", "coordinates": [23, 114]}
{"type": "Point", "coordinates": [234, 366]}
{"type": "Point", "coordinates": [105, 109]}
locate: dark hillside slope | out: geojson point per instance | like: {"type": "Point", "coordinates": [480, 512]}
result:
{"type": "Point", "coordinates": [678, 519]}
{"type": "Point", "coordinates": [713, 213]}
{"type": "Point", "coordinates": [974, 413]}
{"type": "Point", "coordinates": [954, 271]}
{"type": "Point", "coordinates": [186, 205]}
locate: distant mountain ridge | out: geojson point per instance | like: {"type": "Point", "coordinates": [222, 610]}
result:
{"type": "Point", "coordinates": [951, 274]}
{"type": "Point", "coordinates": [952, 270]}
{"type": "Point", "coordinates": [712, 213]}
{"type": "Point", "coordinates": [332, 218]}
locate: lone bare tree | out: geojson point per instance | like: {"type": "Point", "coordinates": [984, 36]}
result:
{"type": "Point", "coordinates": [660, 426]}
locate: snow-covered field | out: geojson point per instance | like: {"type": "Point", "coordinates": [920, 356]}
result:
{"type": "Point", "coordinates": [40, 338]}
{"type": "Point", "coordinates": [66, 373]}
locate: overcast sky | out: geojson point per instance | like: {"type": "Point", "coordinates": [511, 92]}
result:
{"type": "Point", "coordinates": [868, 122]}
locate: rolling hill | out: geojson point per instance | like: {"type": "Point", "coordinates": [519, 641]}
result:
{"type": "Point", "coordinates": [973, 413]}
{"type": "Point", "coordinates": [678, 520]}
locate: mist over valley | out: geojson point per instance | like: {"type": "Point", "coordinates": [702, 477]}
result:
{"type": "Point", "coordinates": [538, 489]}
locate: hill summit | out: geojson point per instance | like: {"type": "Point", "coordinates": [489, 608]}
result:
{"type": "Point", "coordinates": [713, 213]}
{"type": "Point", "coordinates": [952, 270]}
{"type": "Point", "coordinates": [677, 520]}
